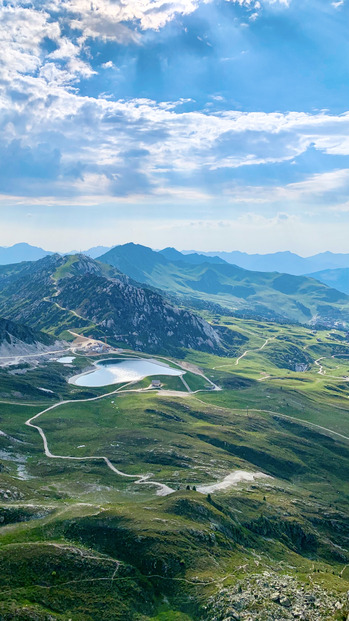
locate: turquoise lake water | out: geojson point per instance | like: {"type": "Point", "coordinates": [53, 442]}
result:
{"type": "Point", "coordinates": [116, 371]}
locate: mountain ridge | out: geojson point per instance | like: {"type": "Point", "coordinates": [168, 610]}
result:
{"type": "Point", "coordinates": [77, 291]}
{"type": "Point", "coordinates": [270, 294]}
{"type": "Point", "coordinates": [283, 261]}
{"type": "Point", "coordinates": [337, 278]}
{"type": "Point", "coordinates": [21, 252]}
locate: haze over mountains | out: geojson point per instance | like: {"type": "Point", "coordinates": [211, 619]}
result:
{"type": "Point", "coordinates": [269, 294]}
{"type": "Point", "coordinates": [195, 279]}
{"type": "Point", "coordinates": [337, 278]}
{"type": "Point", "coordinates": [21, 252]}
{"type": "Point", "coordinates": [285, 262]}
{"type": "Point", "coordinates": [26, 252]}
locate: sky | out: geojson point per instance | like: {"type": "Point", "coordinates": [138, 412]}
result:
{"type": "Point", "coordinates": [199, 124]}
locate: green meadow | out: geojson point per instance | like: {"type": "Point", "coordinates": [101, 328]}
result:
{"type": "Point", "coordinates": [79, 541]}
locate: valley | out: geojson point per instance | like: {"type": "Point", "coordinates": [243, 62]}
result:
{"type": "Point", "coordinates": [174, 310]}
{"type": "Point", "coordinates": [175, 504]}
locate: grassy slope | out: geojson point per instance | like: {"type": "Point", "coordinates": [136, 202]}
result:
{"type": "Point", "coordinates": [270, 384]}
{"type": "Point", "coordinates": [337, 278]}
{"type": "Point", "coordinates": [296, 297]}
{"type": "Point", "coordinates": [165, 546]}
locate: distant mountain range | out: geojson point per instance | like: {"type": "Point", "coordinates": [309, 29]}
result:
{"type": "Point", "coordinates": [269, 294]}
{"type": "Point", "coordinates": [205, 277]}
{"type": "Point", "coordinates": [58, 293]}
{"type": "Point", "coordinates": [94, 252]}
{"type": "Point", "coordinates": [21, 252]}
{"type": "Point", "coordinates": [284, 262]}
{"type": "Point", "coordinates": [128, 295]}
{"type": "Point", "coordinates": [194, 258]}
{"type": "Point", "coordinates": [336, 278]}
{"type": "Point", "coordinates": [26, 252]}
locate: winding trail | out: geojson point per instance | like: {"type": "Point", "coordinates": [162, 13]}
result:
{"type": "Point", "coordinates": [250, 350]}
{"type": "Point", "coordinates": [195, 581]}
{"type": "Point", "coordinates": [56, 293]}
{"type": "Point", "coordinates": [140, 479]}
{"type": "Point", "coordinates": [329, 377]}
{"type": "Point", "coordinates": [145, 479]}
{"type": "Point", "coordinates": [321, 368]}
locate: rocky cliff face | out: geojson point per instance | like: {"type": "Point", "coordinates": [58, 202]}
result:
{"type": "Point", "coordinates": [138, 316]}
{"type": "Point", "coordinates": [79, 289]}
{"type": "Point", "coordinates": [268, 294]}
{"type": "Point", "coordinates": [10, 330]}
{"type": "Point", "coordinates": [17, 339]}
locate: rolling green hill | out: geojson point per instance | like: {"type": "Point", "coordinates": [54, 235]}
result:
{"type": "Point", "coordinates": [337, 278]}
{"type": "Point", "coordinates": [81, 541]}
{"type": "Point", "coordinates": [296, 298]}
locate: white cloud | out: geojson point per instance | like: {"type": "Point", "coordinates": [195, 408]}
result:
{"type": "Point", "coordinates": [115, 19]}
{"type": "Point", "coordinates": [108, 65]}
{"type": "Point", "coordinates": [323, 190]}
{"type": "Point", "coordinates": [156, 141]}
{"type": "Point", "coordinates": [320, 183]}
{"type": "Point", "coordinates": [79, 146]}
{"type": "Point", "coordinates": [22, 31]}
{"type": "Point", "coordinates": [107, 19]}
{"type": "Point", "coordinates": [282, 2]}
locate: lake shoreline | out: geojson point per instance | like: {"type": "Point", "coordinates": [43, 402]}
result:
{"type": "Point", "coordinates": [124, 370]}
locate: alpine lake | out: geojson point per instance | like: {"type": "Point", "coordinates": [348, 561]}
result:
{"type": "Point", "coordinates": [117, 371]}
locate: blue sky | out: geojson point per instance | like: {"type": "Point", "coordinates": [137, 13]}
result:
{"type": "Point", "coordinates": [207, 124]}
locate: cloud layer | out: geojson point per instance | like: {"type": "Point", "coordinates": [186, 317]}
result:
{"type": "Point", "coordinates": [78, 123]}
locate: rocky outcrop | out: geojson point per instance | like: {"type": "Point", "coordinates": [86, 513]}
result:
{"type": "Point", "coordinates": [76, 291]}
{"type": "Point", "coordinates": [271, 596]}
{"type": "Point", "coordinates": [138, 316]}
{"type": "Point", "coordinates": [18, 340]}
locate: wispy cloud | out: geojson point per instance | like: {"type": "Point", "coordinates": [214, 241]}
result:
{"type": "Point", "coordinates": [64, 141]}
{"type": "Point", "coordinates": [138, 146]}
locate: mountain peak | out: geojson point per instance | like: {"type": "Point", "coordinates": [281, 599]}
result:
{"type": "Point", "coordinates": [21, 252]}
{"type": "Point", "coordinates": [77, 264]}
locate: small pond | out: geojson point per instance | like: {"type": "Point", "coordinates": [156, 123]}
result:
{"type": "Point", "coordinates": [66, 359]}
{"type": "Point", "coordinates": [117, 371]}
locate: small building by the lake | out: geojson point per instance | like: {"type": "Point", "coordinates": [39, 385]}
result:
{"type": "Point", "coordinates": [155, 383]}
